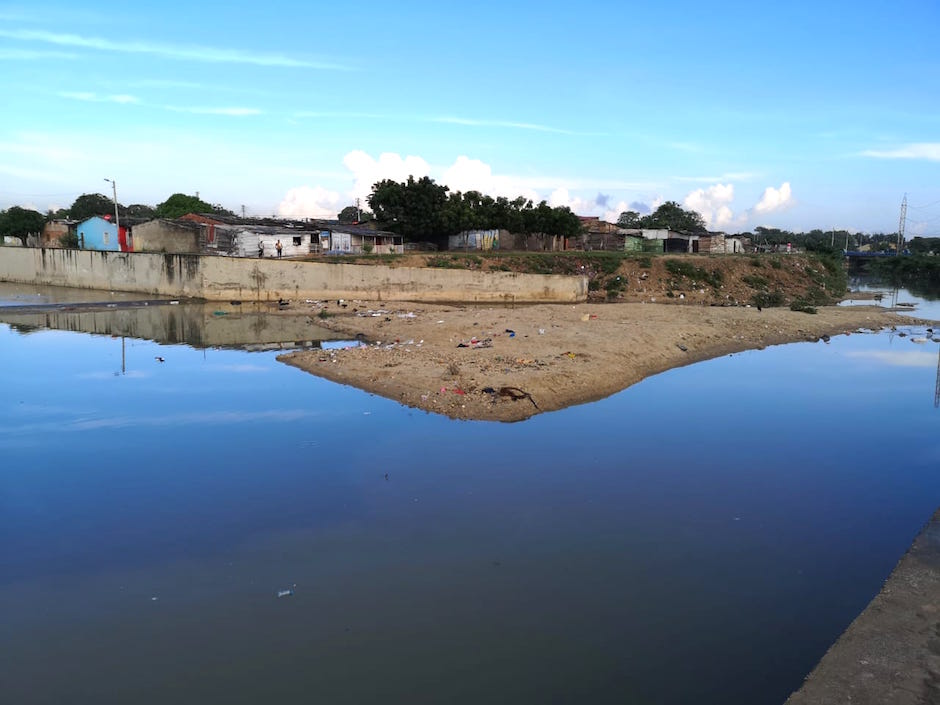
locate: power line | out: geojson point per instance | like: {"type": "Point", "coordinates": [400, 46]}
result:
{"type": "Point", "coordinates": [929, 205]}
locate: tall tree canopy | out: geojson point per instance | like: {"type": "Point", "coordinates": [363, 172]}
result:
{"type": "Point", "coordinates": [179, 204]}
{"type": "Point", "coordinates": [89, 205]}
{"type": "Point", "coordinates": [20, 222]}
{"type": "Point", "coordinates": [669, 215]}
{"type": "Point", "coordinates": [423, 209]}
{"type": "Point", "coordinates": [674, 217]}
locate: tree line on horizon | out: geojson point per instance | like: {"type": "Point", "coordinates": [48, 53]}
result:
{"type": "Point", "coordinates": [420, 209]}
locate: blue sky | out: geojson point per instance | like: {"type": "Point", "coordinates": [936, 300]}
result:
{"type": "Point", "coordinates": [794, 115]}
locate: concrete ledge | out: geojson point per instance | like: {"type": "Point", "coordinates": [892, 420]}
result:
{"type": "Point", "coordinates": [891, 652]}
{"type": "Point", "coordinates": [222, 278]}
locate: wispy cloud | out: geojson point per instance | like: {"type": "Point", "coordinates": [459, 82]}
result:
{"type": "Point", "coordinates": [453, 120]}
{"type": "Point", "coordinates": [929, 151]}
{"type": "Point", "coordinates": [444, 120]}
{"type": "Point", "coordinates": [233, 111]}
{"type": "Point", "coordinates": [89, 97]}
{"type": "Point", "coordinates": [728, 176]}
{"type": "Point", "coordinates": [34, 55]}
{"type": "Point", "coordinates": [169, 51]}
{"type": "Point", "coordinates": [123, 99]}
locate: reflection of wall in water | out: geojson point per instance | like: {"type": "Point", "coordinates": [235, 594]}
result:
{"type": "Point", "coordinates": [199, 325]}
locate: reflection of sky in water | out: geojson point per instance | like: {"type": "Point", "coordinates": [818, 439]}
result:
{"type": "Point", "coordinates": [925, 308]}
{"type": "Point", "coordinates": [700, 537]}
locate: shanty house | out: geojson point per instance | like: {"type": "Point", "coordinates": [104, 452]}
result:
{"type": "Point", "coordinates": [101, 234]}
{"type": "Point", "coordinates": [166, 236]}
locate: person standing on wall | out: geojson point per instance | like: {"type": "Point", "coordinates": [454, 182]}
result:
{"type": "Point", "coordinates": [260, 248]}
{"type": "Point", "coordinates": [278, 246]}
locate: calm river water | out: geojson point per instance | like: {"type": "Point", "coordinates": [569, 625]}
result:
{"type": "Point", "coordinates": [703, 536]}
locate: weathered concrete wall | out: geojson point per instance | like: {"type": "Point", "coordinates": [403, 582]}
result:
{"type": "Point", "coordinates": [222, 278]}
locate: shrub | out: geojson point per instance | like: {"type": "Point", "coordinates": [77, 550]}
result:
{"type": "Point", "coordinates": [755, 281]}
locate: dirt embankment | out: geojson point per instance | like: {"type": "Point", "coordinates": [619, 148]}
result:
{"type": "Point", "coordinates": [725, 280]}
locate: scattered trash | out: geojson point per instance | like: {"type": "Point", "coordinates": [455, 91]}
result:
{"type": "Point", "coordinates": [477, 343]}
{"type": "Point", "coordinates": [159, 359]}
{"type": "Point", "coordinates": [235, 302]}
{"type": "Point", "coordinates": [918, 340]}
{"type": "Point", "coordinates": [682, 347]}
{"type": "Point", "coordinates": [288, 592]}
{"type": "Point", "coordinates": [512, 333]}
{"type": "Point", "coordinates": [220, 313]}
{"type": "Point", "coordinates": [541, 331]}
{"type": "Point", "coordinates": [174, 303]}
{"type": "Point", "coordinates": [488, 390]}
{"type": "Point", "coordinates": [154, 599]}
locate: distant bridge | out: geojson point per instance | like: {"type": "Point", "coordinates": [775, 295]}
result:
{"type": "Point", "coordinates": [858, 254]}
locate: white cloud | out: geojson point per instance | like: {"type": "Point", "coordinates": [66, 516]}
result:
{"type": "Point", "coordinates": [775, 199]}
{"type": "Point", "coordinates": [88, 97]}
{"type": "Point", "coordinates": [367, 171]}
{"type": "Point", "coordinates": [912, 358]}
{"type": "Point", "coordinates": [501, 123]}
{"type": "Point", "coordinates": [233, 112]}
{"type": "Point", "coordinates": [929, 151]}
{"type": "Point", "coordinates": [467, 174]}
{"type": "Point", "coordinates": [310, 202]}
{"type": "Point", "coordinates": [713, 204]}
{"type": "Point", "coordinates": [169, 51]}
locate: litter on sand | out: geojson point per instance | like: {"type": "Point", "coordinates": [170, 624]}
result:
{"type": "Point", "coordinates": [287, 592]}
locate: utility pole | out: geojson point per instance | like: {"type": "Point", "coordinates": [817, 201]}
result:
{"type": "Point", "coordinates": [243, 211]}
{"type": "Point", "coordinates": [358, 212]}
{"type": "Point", "coordinates": [902, 224]}
{"type": "Point", "coordinates": [117, 217]}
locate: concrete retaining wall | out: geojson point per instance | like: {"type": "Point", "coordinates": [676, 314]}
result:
{"type": "Point", "coordinates": [222, 278]}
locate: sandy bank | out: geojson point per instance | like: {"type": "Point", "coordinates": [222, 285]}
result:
{"type": "Point", "coordinates": [521, 361]}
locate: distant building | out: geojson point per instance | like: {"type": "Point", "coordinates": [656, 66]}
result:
{"type": "Point", "coordinates": [55, 230]}
{"type": "Point", "coordinates": [101, 234]}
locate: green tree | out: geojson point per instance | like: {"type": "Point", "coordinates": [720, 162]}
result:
{"type": "Point", "coordinates": [89, 205]}
{"type": "Point", "coordinates": [630, 219]}
{"type": "Point", "coordinates": [20, 223]}
{"type": "Point", "coordinates": [349, 214]}
{"type": "Point", "coordinates": [179, 204]}
{"type": "Point", "coordinates": [414, 209]}
{"type": "Point", "coordinates": [138, 210]}
{"type": "Point", "coordinates": [674, 217]}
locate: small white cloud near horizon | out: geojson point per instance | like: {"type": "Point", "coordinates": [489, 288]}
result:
{"type": "Point", "coordinates": [775, 199]}
{"type": "Point", "coordinates": [467, 174]}
{"type": "Point", "coordinates": [310, 202]}
{"type": "Point", "coordinates": [898, 358]}
{"type": "Point", "coordinates": [367, 170]}
{"type": "Point", "coordinates": [713, 204]}
{"type": "Point", "coordinates": [929, 151]}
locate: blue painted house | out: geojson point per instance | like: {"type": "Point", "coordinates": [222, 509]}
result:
{"type": "Point", "coordinates": [101, 234]}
